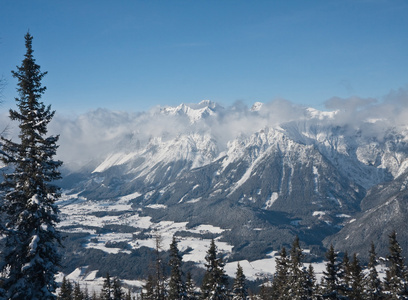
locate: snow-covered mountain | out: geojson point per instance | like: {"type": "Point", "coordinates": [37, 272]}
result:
{"type": "Point", "coordinates": [194, 112]}
{"type": "Point", "coordinates": [256, 177]}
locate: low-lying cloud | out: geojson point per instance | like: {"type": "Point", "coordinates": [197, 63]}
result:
{"type": "Point", "coordinates": [93, 135]}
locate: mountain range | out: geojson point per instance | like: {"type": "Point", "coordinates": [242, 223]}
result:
{"type": "Point", "coordinates": [247, 177]}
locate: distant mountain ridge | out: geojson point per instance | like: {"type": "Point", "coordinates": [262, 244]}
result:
{"type": "Point", "coordinates": [194, 112]}
{"type": "Point", "coordinates": [312, 177]}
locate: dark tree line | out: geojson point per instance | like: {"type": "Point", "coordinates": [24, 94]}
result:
{"type": "Point", "coordinates": [111, 290]}
{"type": "Point", "coordinates": [343, 278]}
{"type": "Point", "coordinates": [179, 286]}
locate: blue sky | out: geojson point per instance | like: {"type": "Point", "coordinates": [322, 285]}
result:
{"type": "Point", "coordinates": [133, 55]}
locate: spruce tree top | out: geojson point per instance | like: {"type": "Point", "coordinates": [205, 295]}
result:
{"type": "Point", "coordinates": [30, 91]}
{"type": "Point", "coordinates": [29, 74]}
{"type": "Point", "coordinates": [33, 117]}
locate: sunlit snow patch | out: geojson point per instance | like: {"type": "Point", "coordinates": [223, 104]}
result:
{"type": "Point", "coordinates": [273, 198]}
{"type": "Point", "coordinates": [156, 206]}
{"type": "Point", "coordinates": [318, 213]}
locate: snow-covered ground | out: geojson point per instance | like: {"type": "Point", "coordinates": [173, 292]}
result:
{"type": "Point", "coordinates": [81, 215]}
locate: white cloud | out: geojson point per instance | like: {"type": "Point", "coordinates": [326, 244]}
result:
{"type": "Point", "coordinates": [96, 134]}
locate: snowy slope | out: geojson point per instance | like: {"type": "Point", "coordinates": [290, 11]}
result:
{"type": "Point", "coordinates": [195, 149]}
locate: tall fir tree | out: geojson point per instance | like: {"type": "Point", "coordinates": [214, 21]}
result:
{"type": "Point", "coordinates": [331, 285]}
{"type": "Point", "coordinates": [190, 288]}
{"type": "Point", "coordinates": [280, 283]}
{"type": "Point", "coordinates": [357, 280]}
{"type": "Point", "coordinates": [155, 285]}
{"type": "Point", "coordinates": [77, 293]}
{"type": "Point", "coordinates": [148, 291]}
{"type": "Point", "coordinates": [107, 290]}
{"type": "Point", "coordinates": [297, 272]}
{"type": "Point", "coordinates": [65, 292]}
{"type": "Point", "coordinates": [117, 292]}
{"type": "Point", "coordinates": [2, 291]}
{"type": "Point", "coordinates": [128, 295]}
{"type": "Point", "coordinates": [311, 286]}
{"type": "Point", "coordinates": [2, 216]}
{"type": "Point", "coordinates": [396, 274]}
{"type": "Point", "coordinates": [86, 293]}
{"type": "Point", "coordinates": [215, 281]}
{"type": "Point", "coordinates": [159, 284]}
{"type": "Point", "coordinates": [346, 278]}
{"type": "Point", "coordinates": [94, 296]}
{"type": "Point", "coordinates": [239, 289]}
{"type": "Point", "coordinates": [373, 286]}
{"type": "Point", "coordinates": [31, 256]}
{"type": "Point", "coordinates": [176, 285]}
{"type": "Point", "coordinates": [265, 291]}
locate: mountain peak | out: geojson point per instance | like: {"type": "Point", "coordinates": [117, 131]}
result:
{"type": "Point", "coordinates": [194, 111]}
{"type": "Point", "coordinates": [256, 106]}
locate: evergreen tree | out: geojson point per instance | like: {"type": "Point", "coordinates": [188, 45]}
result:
{"type": "Point", "coordinates": [78, 294]}
{"type": "Point", "coordinates": [107, 291]}
{"type": "Point", "coordinates": [176, 285]}
{"type": "Point", "coordinates": [396, 274]}
{"type": "Point", "coordinates": [94, 296]}
{"type": "Point", "coordinates": [31, 257]}
{"type": "Point", "coordinates": [239, 289]}
{"type": "Point", "coordinates": [155, 285]}
{"type": "Point", "coordinates": [357, 280]}
{"type": "Point", "coordinates": [86, 293]}
{"type": "Point", "coordinates": [65, 292]}
{"type": "Point", "coordinates": [331, 284]}
{"type": "Point", "coordinates": [159, 288]}
{"type": "Point", "coordinates": [265, 292]}
{"type": "Point", "coordinates": [311, 288]}
{"type": "Point", "coordinates": [297, 272]}
{"type": "Point", "coordinates": [117, 289]}
{"type": "Point", "coordinates": [148, 292]}
{"type": "Point", "coordinates": [346, 278]}
{"type": "Point", "coordinates": [280, 283]}
{"type": "Point", "coordinates": [128, 295]}
{"type": "Point", "coordinates": [2, 291]}
{"type": "Point", "coordinates": [190, 288]}
{"type": "Point", "coordinates": [215, 281]}
{"type": "Point", "coordinates": [373, 285]}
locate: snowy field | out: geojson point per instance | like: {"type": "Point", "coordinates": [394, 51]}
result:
{"type": "Point", "coordinates": [79, 214]}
